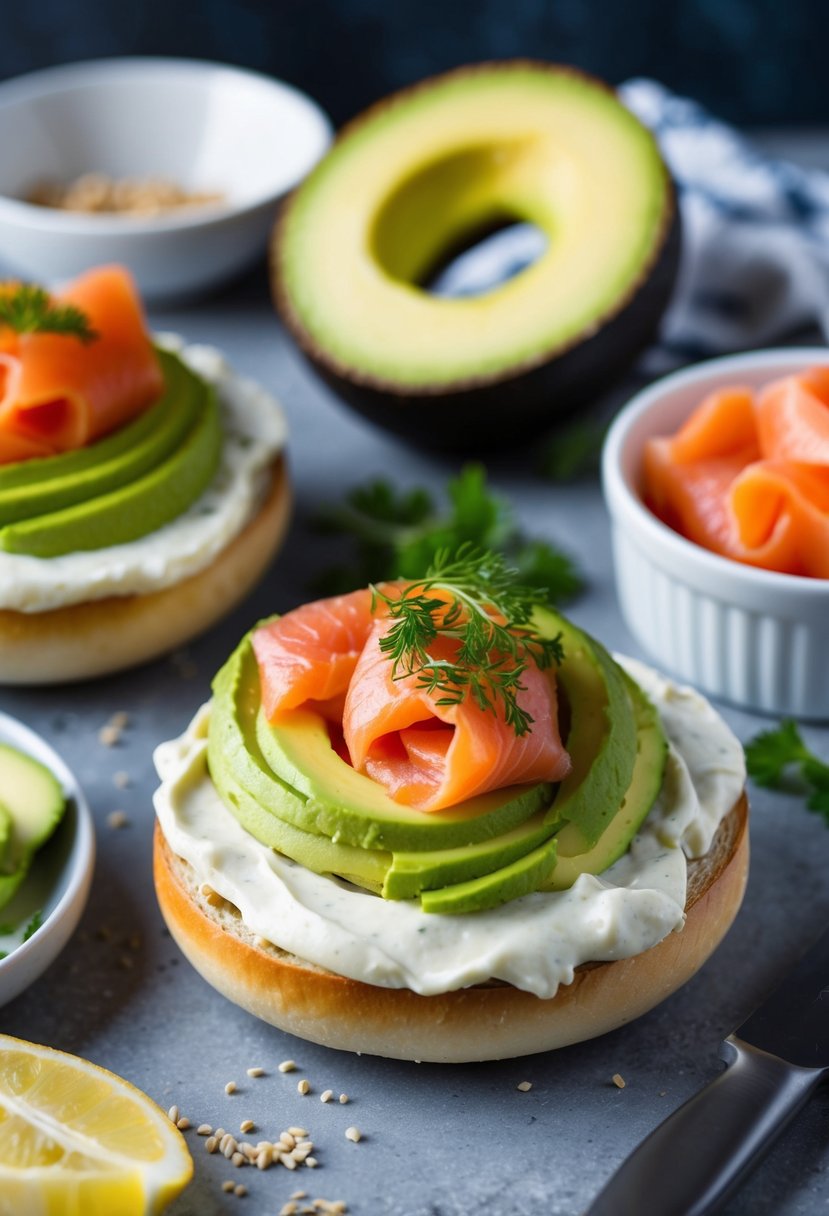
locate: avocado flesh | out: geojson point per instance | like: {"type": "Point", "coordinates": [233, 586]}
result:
{"type": "Point", "coordinates": [293, 771]}
{"type": "Point", "coordinates": [35, 803]}
{"type": "Point", "coordinates": [519, 878]}
{"type": "Point", "coordinates": [35, 487]}
{"type": "Point", "coordinates": [514, 141]}
{"type": "Point", "coordinates": [646, 781]}
{"type": "Point", "coordinates": [133, 510]}
{"type": "Point", "coordinates": [602, 737]}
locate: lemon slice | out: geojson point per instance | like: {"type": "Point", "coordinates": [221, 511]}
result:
{"type": "Point", "coordinates": [76, 1140]}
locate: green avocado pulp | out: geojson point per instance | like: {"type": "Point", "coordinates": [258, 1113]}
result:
{"type": "Point", "coordinates": [123, 487]}
{"type": "Point", "coordinates": [287, 786]}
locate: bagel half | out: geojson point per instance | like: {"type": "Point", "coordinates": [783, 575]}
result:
{"type": "Point", "coordinates": [97, 637]}
{"type": "Point", "coordinates": [485, 1022]}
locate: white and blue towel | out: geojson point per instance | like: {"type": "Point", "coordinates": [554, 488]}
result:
{"type": "Point", "coordinates": [755, 259]}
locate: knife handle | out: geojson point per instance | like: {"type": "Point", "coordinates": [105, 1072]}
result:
{"type": "Point", "coordinates": [694, 1160]}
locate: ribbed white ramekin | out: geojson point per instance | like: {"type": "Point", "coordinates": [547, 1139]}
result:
{"type": "Point", "coordinates": [752, 637]}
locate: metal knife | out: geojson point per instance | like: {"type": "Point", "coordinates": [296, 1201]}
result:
{"type": "Point", "coordinates": [696, 1159]}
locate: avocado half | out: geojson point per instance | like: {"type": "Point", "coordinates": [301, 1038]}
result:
{"type": "Point", "coordinates": [424, 173]}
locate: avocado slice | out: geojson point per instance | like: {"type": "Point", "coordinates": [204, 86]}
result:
{"type": "Point", "coordinates": [426, 172]}
{"type": "Point", "coordinates": [135, 509]}
{"type": "Point", "coordinates": [519, 878]}
{"type": "Point", "coordinates": [35, 487]}
{"type": "Point", "coordinates": [645, 783]}
{"type": "Point", "coordinates": [35, 803]}
{"type": "Point", "coordinates": [293, 771]}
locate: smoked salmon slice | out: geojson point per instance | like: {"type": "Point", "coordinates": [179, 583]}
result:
{"type": "Point", "coordinates": [326, 655]}
{"type": "Point", "coordinates": [58, 393]}
{"type": "Point", "coordinates": [749, 478]}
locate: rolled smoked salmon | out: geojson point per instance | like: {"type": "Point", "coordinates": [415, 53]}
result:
{"type": "Point", "coordinates": [58, 393]}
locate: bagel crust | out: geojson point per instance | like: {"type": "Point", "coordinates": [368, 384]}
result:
{"type": "Point", "coordinates": [486, 1022]}
{"type": "Point", "coordinates": [98, 637]}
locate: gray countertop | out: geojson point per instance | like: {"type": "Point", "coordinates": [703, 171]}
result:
{"type": "Point", "coordinates": [437, 1140]}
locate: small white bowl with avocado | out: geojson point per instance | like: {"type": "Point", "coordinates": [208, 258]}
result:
{"type": "Point", "coordinates": [48, 853]}
{"type": "Point", "coordinates": [205, 128]}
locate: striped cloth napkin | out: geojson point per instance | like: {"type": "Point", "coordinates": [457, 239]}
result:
{"type": "Point", "coordinates": [755, 265]}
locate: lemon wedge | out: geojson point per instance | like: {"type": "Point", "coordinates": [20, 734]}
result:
{"type": "Point", "coordinates": [76, 1140]}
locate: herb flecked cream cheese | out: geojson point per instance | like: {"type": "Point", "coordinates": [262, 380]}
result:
{"type": "Point", "coordinates": [254, 433]}
{"type": "Point", "coordinates": [535, 942]}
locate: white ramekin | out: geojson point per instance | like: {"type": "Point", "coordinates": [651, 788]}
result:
{"type": "Point", "coordinates": [752, 637]}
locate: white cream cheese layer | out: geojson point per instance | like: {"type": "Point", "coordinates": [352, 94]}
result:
{"type": "Point", "coordinates": [254, 432]}
{"type": "Point", "coordinates": [534, 943]}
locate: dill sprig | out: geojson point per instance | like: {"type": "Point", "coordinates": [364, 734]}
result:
{"type": "Point", "coordinates": [29, 309]}
{"type": "Point", "coordinates": [473, 598]}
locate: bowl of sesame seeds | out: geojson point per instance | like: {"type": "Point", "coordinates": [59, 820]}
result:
{"type": "Point", "coordinates": [44, 913]}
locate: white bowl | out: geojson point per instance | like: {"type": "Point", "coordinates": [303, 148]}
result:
{"type": "Point", "coordinates": [57, 884]}
{"type": "Point", "coordinates": [205, 126]}
{"type": "Point", "coordinates": [752, 637]}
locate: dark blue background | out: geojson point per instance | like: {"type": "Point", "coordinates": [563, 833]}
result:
{"type": "Point", "coordinates": [752, 61]}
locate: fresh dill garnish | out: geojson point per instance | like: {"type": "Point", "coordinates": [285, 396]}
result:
{"type": "Point", "coordinates": [29, 309]}
{"type": "Point", "coordinates": [474, 599]}
{"type": "Point", "coordinates": [398, 533]}
{"type": "Point", "coordinates": [772, 755]}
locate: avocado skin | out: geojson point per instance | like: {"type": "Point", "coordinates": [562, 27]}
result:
{"type": "Point", "coordinates": [35, 803]}
{"type": "Point", "coordinates": [35, 487]}
{"type": "Point", "coordinates": [521, 877]}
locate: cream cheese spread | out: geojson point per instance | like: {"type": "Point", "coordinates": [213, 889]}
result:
{"type": "Point", "coordinates": [254, 432]}
{"type": "Point", "coordinates": [535, 942]}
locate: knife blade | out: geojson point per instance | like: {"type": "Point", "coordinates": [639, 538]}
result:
{"type": "Point", "coordinates": [696, 1159]}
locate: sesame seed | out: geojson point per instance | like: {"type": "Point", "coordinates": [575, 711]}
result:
{"type": "Point", "coordinates": [618, 1080]}
{"type": "Point", "coordinates": [256, 1072]}
{"type": "Point", "coordinates": [287, 1160]}
{"type": "Point", "coordinates": [204, 1129]}
{"type": "Point", "coordinates": [301, 1152]}
{"type": "Point", "coordinates": [172, 1114]}
{"type": "Point", "coordinates": [121, 780]}
{"type": "Point", "coordinates": [354, 1134]}
{"type": "Point", "coordinates": [287, 1139]}
{"type": "Point", "coordinates": [264, 1159]}
{"type": "Point", "coordinates": [117, 819]}
{"type": "Point", "coordinates": [311, 1163]}
{"type": "Point", "coordinates": [248, 1150]}
{"type": "Point", "coordinates": [299, 1195]}
{"type": "Point", "coordinates": [219, 1133]}
{"type": "Point", "coordinates": [229, 1145]}
{"type": "Point", "coordinates": [288, 1209]}
{"type": "Point", "coordinates": [303, 1087]}
{"type": "Point", "coordinates": [299, 1132]}
{"type": "Point", "coordinates": [120, 720]}
{"type": "Point", "coordinates": [211, 1144]}
{"type": "Point", "coordinates": [287, 1066]}
{"type": "Point", "coordinates": [326, 1095]}
{"type": "Point", "coordinates": [109, 735]}
{"type": "Point", "coordinates": [230, 1088]}
{"type": "Point", "coordinates": [247, 1125]}
{"type": "Point", "coordinates": [238, 1159]}
{"type": "Point", "coordinates": [183, 1124]}
{"type": "Point", "coordinates": [228, 1186]}
{"type": "Point", "coordinates": [343, 1099]}
{"type": "Point", "coordinates": [240, 1191]}
{"type": "Point", "coordinates": [525, 1086]}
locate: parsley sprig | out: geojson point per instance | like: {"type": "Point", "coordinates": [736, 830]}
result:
{"type": "Point", "coordinates": [474, 599]}
{"type": "Point", "coordinates": [399, 533]}
{"type": "Point", "coordinates": [774, 754]}
{"type": "Point", "coordinates": [29, 309]}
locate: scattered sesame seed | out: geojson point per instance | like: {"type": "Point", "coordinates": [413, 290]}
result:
{"type": "Point", "coordinates": [343, 1099]}
{"type": "Point", "coordinates": [109, 735]}
{"type": "Point", "coordinates": [264, 1159]}
{"type": "Point", "coordinates": [256, 1072]}
{"type": "Point", "coordinates": [299, 1132]}
{"type": "Point", "coordinates": [663, 1093]}
{"type": "Point", "coordinates": [238, 1159]}
{"type": "Point", "coordinates": [228, 1145]}
{"type": "Point", "coordinates": [121, 780]}
{"type": "Point", "coordinates": [211, 1144]}
{"type": "Point", "coordinates": [219, 1133]}
{"type": "Point", "coordinates": [183, 1123]}
{"type": "Point", "coordinates": [311, 1163]}
{"type": "Point", "coordinates": [287, 1066]}
{"type": "Point", "coordinates": [240, 1191]}
{"type": "Point", "coordinates": [326, 1095]}
{"type": "Point", "coordinates": [117, 819]}
{"type": "Point", "coordinates": [248, 1150]}
{"type": "Point", "coordinates": [289, 1209]}
{"type": "Point", "coordinates": [204, 1129]}
{"type": "Point", "coordinates": [228, 1186]}
{"type": "Point", "coordinates": [172, 1114]}
{"type": "Point", "coordinates": [120, 720]}
{"type": "Point", "coordinates": [287, 1139]}
{"type": "Point", "coordinates": [354, 1134]}
{"type": "Point", "coordinates": [618, 1080]}
{"type": "Point", "coordinates": [301, 1152]}
{"type": "Point", "coordinates": [525, 1086]}
{"type": "Point", "coordinates": [288, 1161]}
{"type": "Point", "coordinates": [230, 1088]}
{"type": "Point", "coordinates": [303, 1087]}
{"type": "Point", "coordinates": [299, 1195]}
{"type": "Point", "coordinates": [247, 1125]}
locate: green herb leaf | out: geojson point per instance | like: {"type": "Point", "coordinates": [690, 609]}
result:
{"type": "Point", "coordinates": [28, 309]}
{"type": "Point", "coordinates": [474, 599]}
{"type": "Point", "coordinates": [573, 451]}
{"type": "Point", "coordinates": [774, 755]}
{"type": "Point", "coordinates": [33, 925]}
{"type": "Point", "coordinates": [399, 534]}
